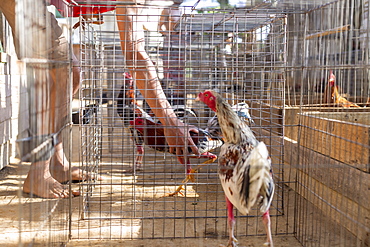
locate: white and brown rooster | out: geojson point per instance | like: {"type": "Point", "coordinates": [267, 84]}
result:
{"type": "Point", "coordinates": [244, 166]}
{"type": "Point", "coordinates": [332, 96]}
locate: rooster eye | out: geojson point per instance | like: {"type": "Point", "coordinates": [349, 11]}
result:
{"type": "Point", "coordinates": [206, 95]}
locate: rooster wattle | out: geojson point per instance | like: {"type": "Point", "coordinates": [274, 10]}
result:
{"type": "Point", "coordinates": [244, 165]}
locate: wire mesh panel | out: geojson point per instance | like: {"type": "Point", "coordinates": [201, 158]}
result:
{"type": "Point", "coordinates": [328, 83]}
{"type": "Point", "coordinates": [301, 66]}
{"type": "Point", "coordinates": [144, 194]}
{"type": "Point", "coordinates": [43, 213]}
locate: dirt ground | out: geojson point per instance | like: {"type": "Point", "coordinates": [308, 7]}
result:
{"type": "Point", "coordinates": [204, 242]}
{"type": "Point", "coordinates": [25, 219]}
{"type": "Point", "coordinates": [131, 209]}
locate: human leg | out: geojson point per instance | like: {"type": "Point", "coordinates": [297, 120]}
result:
{"type": "Point", "coordinates": [41, 38]}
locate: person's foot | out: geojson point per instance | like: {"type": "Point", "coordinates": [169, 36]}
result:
{"type": "Point", "coordinates": [39, 182]}
{"type": "Point", "coordinates": [61, 173]}
{"type": "Point", "coordinates": [59, 168]}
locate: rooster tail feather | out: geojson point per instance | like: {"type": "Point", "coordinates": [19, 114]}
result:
{"type": "Point", "coordinates": [269, 189]}
{"type": "Point", "coordinates": [260, 180]}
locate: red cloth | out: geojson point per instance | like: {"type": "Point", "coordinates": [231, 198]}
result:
{"type": "Point", "coordinates": [69, 8]}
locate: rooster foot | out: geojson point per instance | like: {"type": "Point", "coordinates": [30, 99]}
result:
{"type": "Point", "coordinates": [139, 166]}
{"type": "Point", "coordinates": [177, 191]}
{"type": "Point", "coordinates": [233, 242]}
{"type": "Point", "coordinates": [190, 177]}
{"type": "Point", "coordinates": [211, 157]}
{"type": "Point", "coordinates": [138, 169]}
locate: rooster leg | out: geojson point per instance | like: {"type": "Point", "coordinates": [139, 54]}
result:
{"type": "Point", "coordinates": [211, 157]}
{"type": "Point", "coordinates": [189, 177]}
{"type": "Point", "coordinates": [267, 224]}
{"type": "Point", "coordinates": [233, 242]}
{"type": "Point", "coordinates": [191, 171]}
{"type": "Point", "coordinates": [190, 174]}
{"type": "Point", "coordinates": [139, 157]}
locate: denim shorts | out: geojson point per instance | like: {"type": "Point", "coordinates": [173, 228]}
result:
{"type": "Point", "coordinates": [37, 38]}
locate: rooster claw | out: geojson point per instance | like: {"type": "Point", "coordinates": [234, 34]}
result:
{"type": "Point", "coordinates": [190, 177]}
{"type": "Point", "coordinates": [210, 161]}
{"type": "Point", "coordinates": [211, 157]}
{"type": "Point", "coordinates": [177, 191]}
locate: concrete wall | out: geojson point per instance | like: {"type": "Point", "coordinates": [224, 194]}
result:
{"type": "Point", "coordinates": [13, 96]}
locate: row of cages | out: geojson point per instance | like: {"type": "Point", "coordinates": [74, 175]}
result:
{"type": "Point", "coordinates": [227, 52]}
{"type": "Point", "coordinates": [300, 68]}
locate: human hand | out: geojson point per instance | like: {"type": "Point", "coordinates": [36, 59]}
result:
{"type": "Point", "coordinates": [179, 140]}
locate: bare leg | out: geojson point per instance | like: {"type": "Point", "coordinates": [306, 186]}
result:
{"type": "Point", "coordinates": [48, 87]}
{"type": "Point", "coordinates": [130, 22]}
{"type": "Point", "coordinates": [233, 242]}
{"type": "Point", "coordinates": [138, 159]}
{"type": "Point", "coordinates": [75, 74]}
{"type": "Point", "coordinates": [267, 223]}
{"type": "Point", "coordinates": [39, 182]}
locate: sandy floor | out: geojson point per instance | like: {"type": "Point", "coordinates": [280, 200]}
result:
{"type": "Point", "coordinates": [132, 209]}
{"type": "Point", "coordinates": [29, 216]}
{"type": "Point", "coordinates": [204, 242]}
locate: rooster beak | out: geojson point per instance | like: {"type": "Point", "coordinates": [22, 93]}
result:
{"type": "Point", "coordinates": [198, 97]}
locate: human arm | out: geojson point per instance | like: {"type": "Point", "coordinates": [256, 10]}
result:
{"type": "Point", "coordinates": [130, 25]}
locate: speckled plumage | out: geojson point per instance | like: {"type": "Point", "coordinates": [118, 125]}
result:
{"type": "Point", "coordinates": [236, 154]}
{"type": "Point", "coordinates": [244, 164]}
{"type": "Point", "coordinates": [213, 126]}
{"type": "Point", "coordinates": [153, 136]}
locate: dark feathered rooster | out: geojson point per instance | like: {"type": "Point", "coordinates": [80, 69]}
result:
{"type": "Point", "coordinates": [153, 136]}
{"type": "Point", "coordinates": [244, 166]}
{"type": "Point", "coordinates": [332, 96]}
{"type": "Point", "coordinates": [128, 109]}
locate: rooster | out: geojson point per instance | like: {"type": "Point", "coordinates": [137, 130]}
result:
{"type": "Point", "coordinates": [244, 166]}
{"type": "Point", "coordinates": [153, 136]}
{"type": "Point", "coordinates": [332, 96]}
{"type": "Point", "coordinates": [241, 109]}
{"type": "Point", "coordinates": [128, 109]}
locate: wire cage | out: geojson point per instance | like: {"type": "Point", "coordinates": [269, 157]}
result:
{"type": "Point", "coordinates": [277, 56]}
{"type": "Point", "coordinates": [39, 126]}
{"type": "Point", "coordinates": [301, 66]}
{"type": "Point", "coordinates": [240, 54]}
{"type": "Point", "coordinates": [327, 95]}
